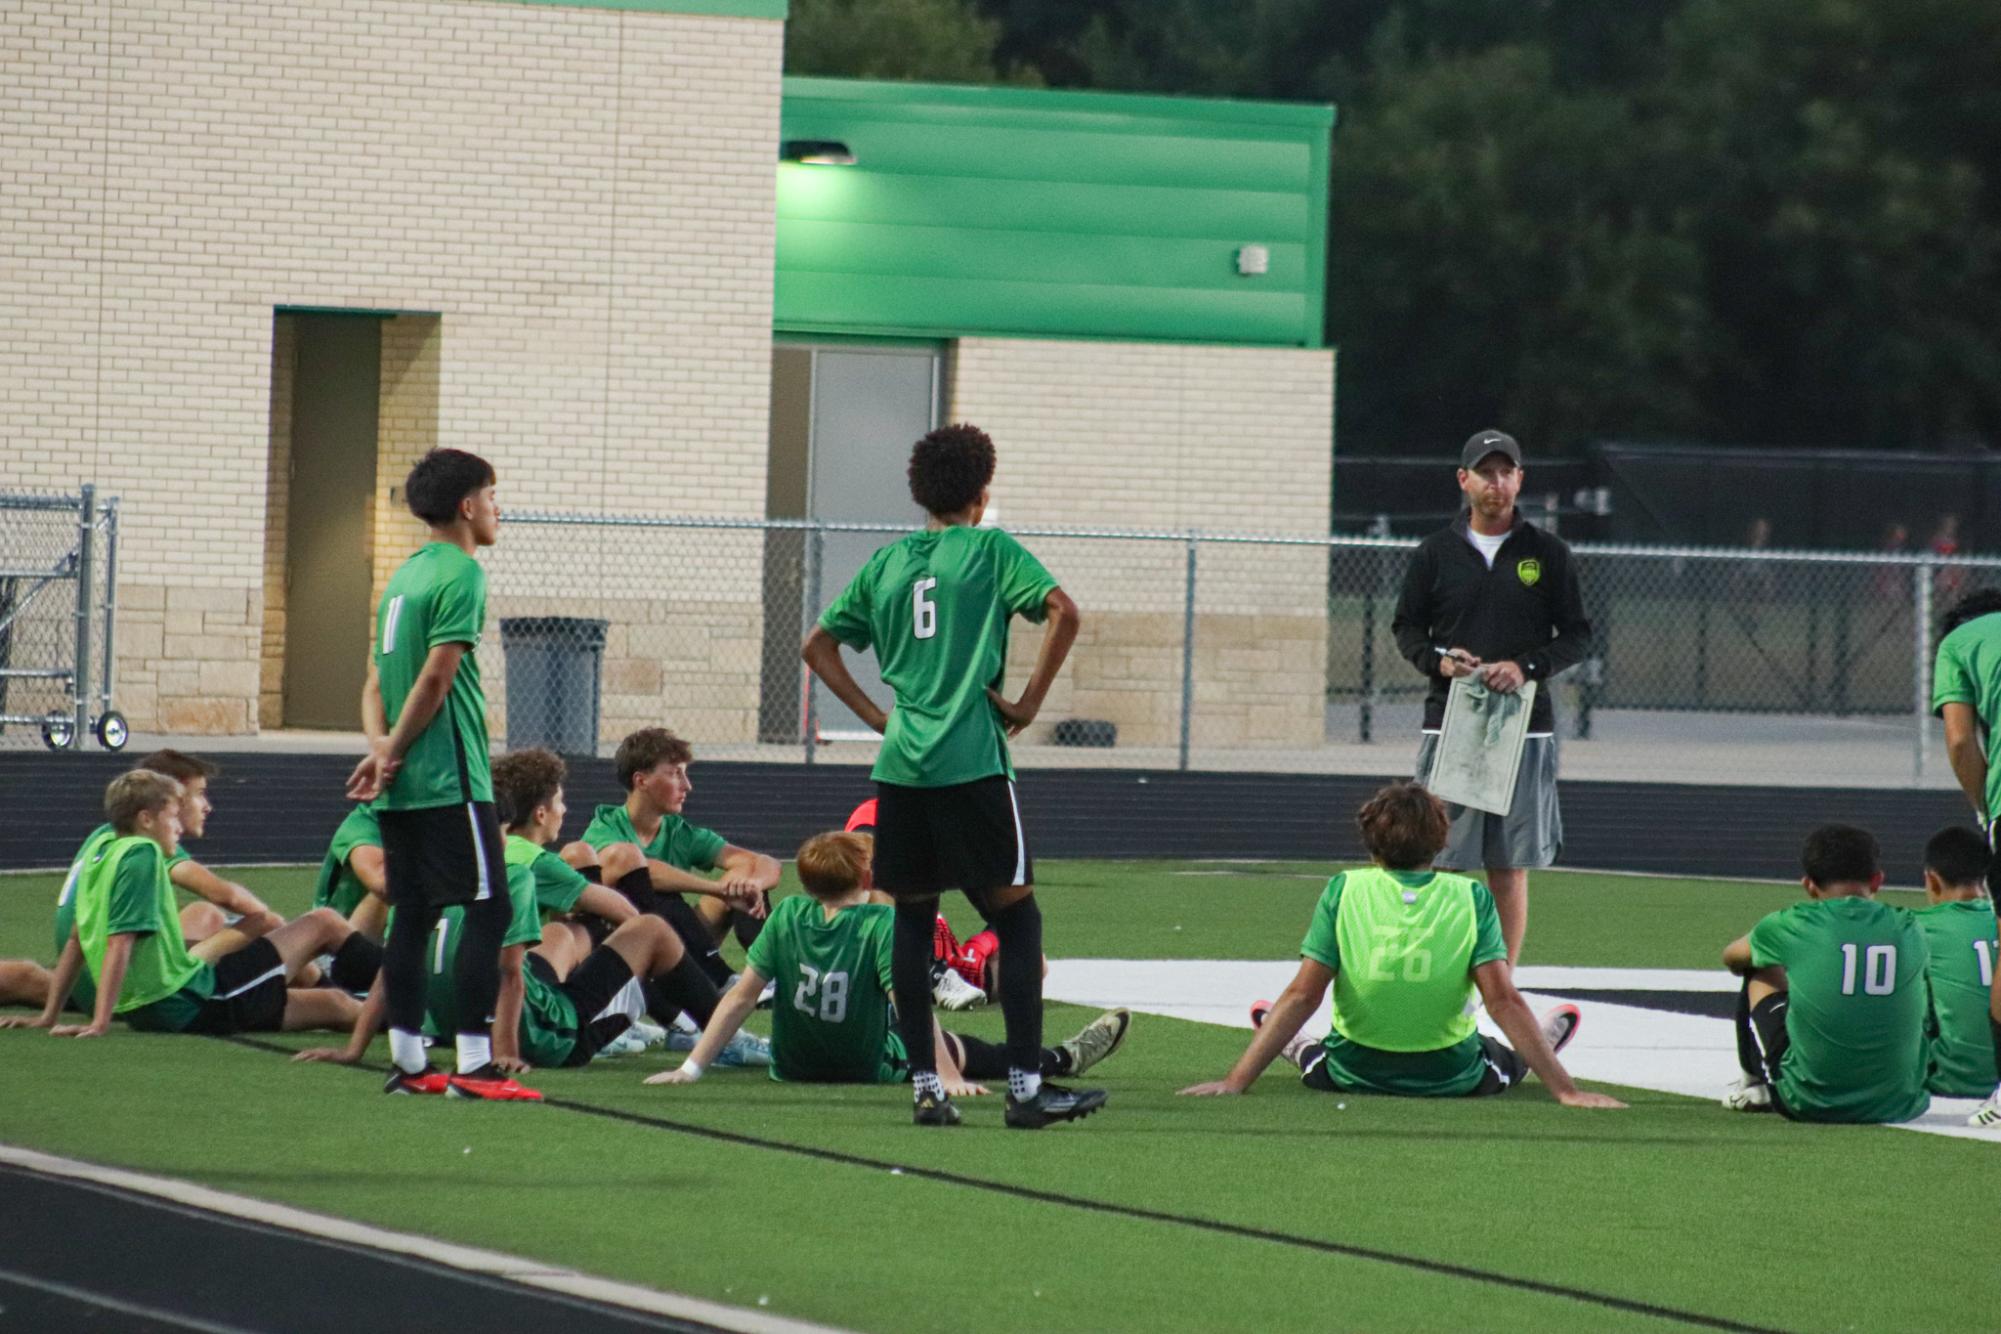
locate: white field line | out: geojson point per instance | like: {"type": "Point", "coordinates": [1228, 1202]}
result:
{"type": "Point", "coordinates": [1618, 1044]}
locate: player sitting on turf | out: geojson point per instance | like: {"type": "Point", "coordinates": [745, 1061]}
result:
{"type": "Point", "coordinates": [829, 951]}
{"type": "Point", "coordinates": [224, 917]}
{"type": "Point", "coordinates": [561, 1002]}
{"type": "Point", "coordinates": [651, 854]}
{"type": "Point", "coordinates": [1959, 927]}
{"type": "Point", "coordinates": [1831, 1019]}
{"type": "Point", "coordinates": [962, 975]}
{"type": "Point", "coordinates": [127, 938]}
{"type": "Point", "coordinates": [353, 881]}
{"type": "Point", "coordinates": [1404, 947]}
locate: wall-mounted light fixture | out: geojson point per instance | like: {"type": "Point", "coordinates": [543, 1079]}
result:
{"type": "Point", "coordinates": [816, 152]}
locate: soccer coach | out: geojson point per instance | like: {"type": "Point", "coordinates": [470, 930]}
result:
{"type": "Point", "coordinates": [1493, 595]}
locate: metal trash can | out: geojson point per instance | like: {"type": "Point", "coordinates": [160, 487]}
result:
{"type": "Point", "coordinates": [555, 667]}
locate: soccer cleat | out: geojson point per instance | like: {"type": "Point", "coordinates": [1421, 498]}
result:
{"type": "Point", "coordinates": [430, 1081]}
{"type": "Point", "coordinates": [682, 1040]}
{"type": "Point", "coordinates": [744, 1049]}
{"type": "Point", "coordinates": [1988, 1113]}
{"type": "Point", "coordinates": [1260, 1011]}
{"type": "Point", "coordinates": [489, 1084]}
{"type": "Point", "coordinates": [1097, 1040]}
{"type": "Point", "coordinates": [1050, 1104]}
{"type": "Point", "coordinates": [766, 996]}
{"type": "Point", "coordinates": [1749, 1095]}
{"type": "Point", "coordinates": [934, 1110]}
{"type": "Point", "coordinates": [652, 1034]}
{"type": "Point", "coordinates": [1559, 1026]}
{"type": "Point", "coordinates": [1297, 1050]}
{"type": "Point", "coordinates": [949, 991]}
{"type": "Point", "coordinates": [944, 945]}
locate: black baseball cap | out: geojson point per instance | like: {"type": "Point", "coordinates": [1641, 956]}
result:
{"type": "Point", "coordinates": [1489, 442]}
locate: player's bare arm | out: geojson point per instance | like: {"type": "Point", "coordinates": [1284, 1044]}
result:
{"type": "Point", "coordinates": [1968, 757]}
{"type": "Point", "coordinates": [427, 695]}
{"type": "Point", "coordinates": [612, 906]}
{"type": "Point", "coordinates": [507, 1011]}
{"type": "Point", "coordinates": [117, 958]}
{"type": "Point", "coordinates": [1737, 956]}
{"type": "Point", "coordinates": [1063, 619]}
{"type": "Point", "coordinates": [227, 895]}
{"type": "Point", "coordinates": [723, 1025]}
{"type": "Point", "coordinates": [822, 654]}
{"type": "Point", "coordinates": [746, 877]}
{"type": "Point", "coordinates": [69, 964]}
{"type": "Point", "coordinates": [1506, 1008]}
{"type": "Point", "coordinates": [1289, 1014]}
{"type": "Point", "coordinates": [365, 1026]}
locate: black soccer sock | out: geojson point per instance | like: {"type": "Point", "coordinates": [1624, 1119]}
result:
{"type": "Point", "coordinates": [662, 1010]}
{"type": "Point", "coordinates": [910, 977]}
{"type": "Point", "coordinates": [1749, 1055]}
{"type": "Point", "coordinates": [988, 1060]}
{"type": "Point", "coordinates": [594, 874]}
{"type": "Point", "coordinates": [747, 925]}
{"type": "Point", "coordinates": [686, 987]}
{"type": "Point", "coordinates": [356, 963]}
{"type": "Point", "coordinates": [476, 966]}
{"type": "Point", "coordinates": [1019, 931]}
{"type": "Point", "coordinates": [637, 887]}
{"type": "Point", "coordinates": [403, 965]}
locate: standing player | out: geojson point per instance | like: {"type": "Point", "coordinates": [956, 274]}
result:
{"type": "Point", "coordinates": [1494, 596]}
{"type": "Point", "coordinates": [427, 771]}
{"type": "Point", "coordinates": [1831, 1020]}
{"type": "Point", "coordinates": [1966, 692]}
{"type": "Point", "coordinates": [935, 607]}
{"type": "Point", "coordinates": [1958, 922]}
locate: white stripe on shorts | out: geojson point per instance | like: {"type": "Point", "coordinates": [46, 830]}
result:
{"type": "Point", "coordinates": [478, 853]}
{"type": "Point", "coordinates": [257, 981]}
{"type": "Point", "coordinates": [1020, 843]}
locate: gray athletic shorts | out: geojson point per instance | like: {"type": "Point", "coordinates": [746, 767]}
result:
{"type": "Point", "coordinates": [1528, 836]}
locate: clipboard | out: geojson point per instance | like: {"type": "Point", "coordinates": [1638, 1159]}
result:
{"type": "Point", "coordinates": [1480, 743]}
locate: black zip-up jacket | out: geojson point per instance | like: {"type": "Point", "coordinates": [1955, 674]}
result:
{"type": "Point", "coordinates": [1529, 609]}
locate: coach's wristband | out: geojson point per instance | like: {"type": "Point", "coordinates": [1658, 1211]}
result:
{"type": "Point", "coordinates": [692, 1068]}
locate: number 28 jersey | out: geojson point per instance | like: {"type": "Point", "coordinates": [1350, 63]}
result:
{"type": "Point", "coordinates": [1855, 1014]}
{"type": "Point", "coordinates": [935, 608]}
{"type": "Point", "coordinates": [830, 1016]}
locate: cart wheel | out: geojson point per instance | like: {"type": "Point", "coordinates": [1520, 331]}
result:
{"type": "Point", "coordinates": [58, 732]}
{"type": "Point", "coordinates": [112, 731]}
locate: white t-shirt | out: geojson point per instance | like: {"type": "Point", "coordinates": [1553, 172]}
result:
{"type": "Point", "coordinates": [1489, 547]}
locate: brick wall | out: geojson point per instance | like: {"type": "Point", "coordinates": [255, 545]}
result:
{"type": "Point", "coordinates": [580, 199]}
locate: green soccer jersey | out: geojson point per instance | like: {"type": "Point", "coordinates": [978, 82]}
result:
{"type": "Point", "coordinates": [676, 842]}
{"type": "Point", "coordinates": [1961, 937]}
{"type": "Point", "coordinates": [548, 1029]}
{"type": "Point", "coordinates": [123, 889]}
{"type": "Point", "coordinates": [337, 887]}
{"type": "Point", "coordinates": [830, 1023]}
{"type": "Point", "coordinates": [84, 994]}
{"type": "Point", "coordinates": [1410, 941]}
{"type": "Point", "coordinates": [437, 597]}
{"type": "Point", "coordinates": [1855, 1017]}
{"type": "Point", "coordinates": [935, 608]}
{"type": "Point", "coordinates": [558, 885]}
{"type": "Point", "coordinates": [1967, 670]}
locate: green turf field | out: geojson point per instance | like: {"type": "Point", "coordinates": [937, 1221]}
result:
{"type": "Point", "coordinates": [1274, 1211]}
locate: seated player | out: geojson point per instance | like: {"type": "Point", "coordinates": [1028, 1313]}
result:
{"type": "Point", "coordinates": [1959, 927]}
{"type": "Point", "coordinates": [1404, 947]}
{"type": "Point", "coordinates": [1831, 1019]}
{"type": "Point", "coordinates": [353, 881]}
{"type": "Point", "coordinates": [561, 1002]}
{"type": "Point", "coordinates": [224, 917]}
{"type": "Point", "coordinates": [651, 854]}
{"type": "Point", "coordinates": [962, 975]}
{"type": "Point", "coordinates": [828, 949]}
{"type": "Point", "coordinates": [127, 938]}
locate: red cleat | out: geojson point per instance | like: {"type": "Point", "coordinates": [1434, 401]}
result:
{"type": "Point", "coordinates": [1259, 1010]}
{"type": "Point", "coordinates": [429, 1081]}
{"type": "Point", "coordinates": [490, 1085]}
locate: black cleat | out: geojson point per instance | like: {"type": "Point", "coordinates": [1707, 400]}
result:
{"type": "Point", "coordinates": [1052, 1103]}
{"type": "Point", "coordinates": [430, 1081]}
{"type": "Point", "coordinates": [934, 1111]}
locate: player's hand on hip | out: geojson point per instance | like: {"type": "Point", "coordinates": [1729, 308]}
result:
{"type": "Point", "coordinates": [1506, 677]}
{"type": "Point", "coordinates": [1017, 714]}
{"type": "Point", "coordinates": [1215, 1088]}
{"type": "Point", "coordinates": [1583, 1098]}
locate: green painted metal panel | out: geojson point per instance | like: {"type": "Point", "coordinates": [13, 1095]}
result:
{"type": "Point", "coordinates": [1034, 213]}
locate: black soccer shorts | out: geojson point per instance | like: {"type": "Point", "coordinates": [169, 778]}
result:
{"type": "Point", "coordinates": [967, 836]}
{"type": "Point", "coordinates": [249, 994]}
{"type": "Point", "coordinates": [443, 855]}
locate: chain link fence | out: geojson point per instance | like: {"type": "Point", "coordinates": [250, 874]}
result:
{"type": "Point", "coordinates": [58, 611]}
{"type": "Point", "coordinates": [1228, 652]}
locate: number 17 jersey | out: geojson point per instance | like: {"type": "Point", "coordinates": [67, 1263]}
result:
{"type": "Point", "coordinates": [830, 1013]}
{"type": "Point", "coordinates": [935, 608]}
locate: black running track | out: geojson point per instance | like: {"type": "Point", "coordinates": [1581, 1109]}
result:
{"type": "Point", "coordinates": [81, 1256]}
{"type": "Point", "coordinates": [283, 808]}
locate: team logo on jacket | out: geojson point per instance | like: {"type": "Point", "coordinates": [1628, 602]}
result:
{"type": "Point", "coordinates": [1529, 572]}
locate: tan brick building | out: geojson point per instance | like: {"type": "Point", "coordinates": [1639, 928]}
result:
{"type": "Point", "coordinates": [240, 239]}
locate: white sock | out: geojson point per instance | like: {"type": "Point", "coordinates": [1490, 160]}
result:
{"type": "Point", "coordinates": [926, 1081]}
{"type": "Point", "coordinates": [475, 1050]}
{"type": "Point", "coordinates": [1024, 1084]}
{"type": "Point", "coordinates": [406, 1049]}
